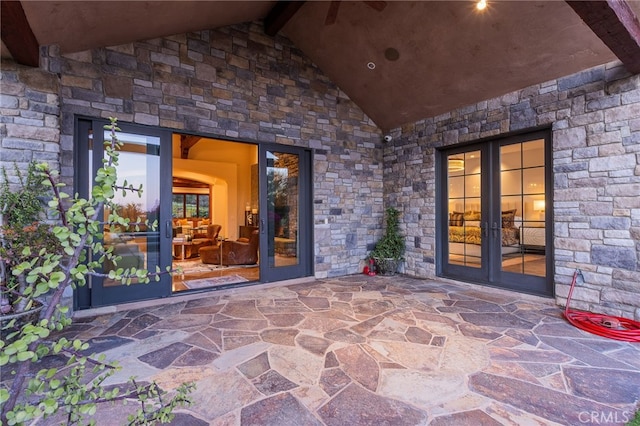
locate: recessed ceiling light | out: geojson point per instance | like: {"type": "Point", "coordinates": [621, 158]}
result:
{"type": "Point", "coordinates": [391, 54]}
{"type": "Point", "coordinates": [481, 4]}
{"type": "Point", "coordinates": [371, 65]}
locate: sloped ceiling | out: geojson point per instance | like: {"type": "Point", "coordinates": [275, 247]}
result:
{"type": "Point", "coordinates": [449, 54]}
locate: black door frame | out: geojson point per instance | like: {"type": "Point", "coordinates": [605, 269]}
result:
{"type": "Point", "coordinates": [83, 165]}
{"type": "Point", "coordinates": [93, 294]}
{"type": "Point", "coordinates": [305, 237]}
{"type": "Point", "coordinates": [491, 273]}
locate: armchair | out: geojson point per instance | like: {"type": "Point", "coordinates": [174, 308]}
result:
{"type": "Point", "coordinates": [203, 240]}
{"type": "Point", "coordinates": [240, 252]}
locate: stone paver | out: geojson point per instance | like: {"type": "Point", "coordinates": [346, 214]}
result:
{"type": "Point", "coordinates": [362, 350]}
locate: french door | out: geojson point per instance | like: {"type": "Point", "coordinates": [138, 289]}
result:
{"type": "Point", "coordinates": [143, 155]}
{"type": "Point", "coordinates": [285, 223]}
{"type": "Point", "coordinates": [493, 224]}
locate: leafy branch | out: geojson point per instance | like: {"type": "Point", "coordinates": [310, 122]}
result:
{"type": "Point", "coordinates": [39, 269]}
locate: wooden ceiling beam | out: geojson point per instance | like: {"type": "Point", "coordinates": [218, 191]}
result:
{"type": "Point", "coordinates": [376, 5]}
{"type": "Point", "coordinates": [17, 35]}
{"type": "Point", "coordinates": [617, 26]}
{"type": "Point", "coordinates": [186, 143]}
{"type": "Point", "coordinates": [332, 13]}
{"type": "Point", "coordinates": [279, 15]}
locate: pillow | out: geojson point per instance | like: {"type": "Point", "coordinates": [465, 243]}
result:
{"type": "Point", "coordinates": [474, 223]}
{"type": "Point", "coordinates": [205, 221]}
{"type": "Point", "coordinates": [471, 215]}
{"type": "Point", "coordinates": [508, 217]}
{"type": "Point", "coordinates": [456, 219]}
{"type": "Point", "coordinates": [243, 240]}
{"type": "Point", "coordinates": [183, 221]}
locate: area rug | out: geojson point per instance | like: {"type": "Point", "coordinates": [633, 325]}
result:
{"type": "Point", "coordinates": [196, 267]}
{"type": "Point", "coordinates": [211, 282]}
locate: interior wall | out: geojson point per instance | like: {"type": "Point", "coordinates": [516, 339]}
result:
{"type": "Point", "coordinates": [224, 189]}
{"type": "Point", "coordinates": [226, 166]}
{"type": "Point", "coordinates": [242, 155]}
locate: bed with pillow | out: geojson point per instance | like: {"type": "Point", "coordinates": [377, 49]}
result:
{"type": "Point", "coordinates": [465, 233]}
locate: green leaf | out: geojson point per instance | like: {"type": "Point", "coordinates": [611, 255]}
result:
{"type": "Point", "coordinates": [57, 276]}
{"type": "Point", "coordinates": [23, 356]}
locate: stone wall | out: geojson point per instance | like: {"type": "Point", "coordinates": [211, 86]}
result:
{"type": "Point", "coordinates": [29, 125]}
{"type": "Point", "coordinates": [239, 84]}
{"type": "Point", "coordinates": [595, 120]}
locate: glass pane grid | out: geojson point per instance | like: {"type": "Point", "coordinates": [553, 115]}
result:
{"type": "Point", "coordinates": [522, 196]}
{"type": "Point", "coordinates": [465, 192]}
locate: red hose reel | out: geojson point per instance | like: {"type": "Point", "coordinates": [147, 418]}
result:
{"type": "Point", "coordinates": [610, 326]}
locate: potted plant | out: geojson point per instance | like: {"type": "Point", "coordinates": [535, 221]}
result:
{"type": "Point", "coordinates": [42, 255]}
{"type": "Point", "coordinates": [388, 252]}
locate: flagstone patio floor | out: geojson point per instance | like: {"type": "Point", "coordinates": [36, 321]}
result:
{"type": "Point", "coordinates": [361, 350]}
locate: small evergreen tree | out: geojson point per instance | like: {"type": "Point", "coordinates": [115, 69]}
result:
{"type": "Point", "coordinates": [391, 245]}
{"type": "Point", "coordinates": [389, 251]}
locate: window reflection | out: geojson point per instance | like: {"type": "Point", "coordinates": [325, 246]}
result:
{"type": "Point", "coordinates": [522, 188]}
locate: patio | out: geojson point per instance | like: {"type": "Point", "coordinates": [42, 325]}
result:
{"type": "Point", "coordinates": [371, 350]}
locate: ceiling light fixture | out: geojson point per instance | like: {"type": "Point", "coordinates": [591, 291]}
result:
{"type": "Point", "coordinates": [456, 164]}
{"type": "Point", "coordinates": [391, 54]}
{"type": "Point", "coordinates": [481, 4]}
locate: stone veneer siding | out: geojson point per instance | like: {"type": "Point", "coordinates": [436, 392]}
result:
{"type": "Point", "coordinates": [595, 120]}
{"type": "Point", "coordinates": [237, 83]}
{"type": "Point", "coordinates": [29, 111]}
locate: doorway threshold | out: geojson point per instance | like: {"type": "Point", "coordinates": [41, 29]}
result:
{"type": "Point", "coordinates": [106, 310]}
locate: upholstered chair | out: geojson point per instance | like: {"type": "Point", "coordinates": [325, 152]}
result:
{"type": "Point", "coordinates": [203, 240]}
{"type": "Point", "coordinates": [241, 252]}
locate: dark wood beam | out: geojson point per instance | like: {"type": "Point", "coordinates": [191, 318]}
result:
{"type": "Point", "coordinates": [279, 15]}
{"type": "Point", "coordinates": [188, 183]}
{"type": "Point", "coordinates": [17, 35]}
{"type": "Point", "coordinates": [376, 5]}
{"type": "Point", "coordinates": [186, 143]}
{"type": "Point", "coordinates": [332, 13]}
{"type": "Point", "coordinates": [617, 26]}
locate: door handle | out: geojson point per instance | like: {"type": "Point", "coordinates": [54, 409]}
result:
{"type": "Point", "coordinates": [485, 229]}
{"type": "Point", "coordinates": [168, 229]}
{"type": "Point", "coordinates": [262, 226]}
{"type": "Point", "coordinates": [495, 228]}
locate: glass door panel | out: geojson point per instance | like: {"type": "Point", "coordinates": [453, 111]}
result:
{"type": "Point", "coordinates": [138, 246]}
{"type": "Point", "coordinates": [464, 209]}
{"type": "Point", "coordinates": [282, 209]}
{"type": "Point", "coordinates": [522, 187]}
{"type": "Point", "coordinates": [285, 213]}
